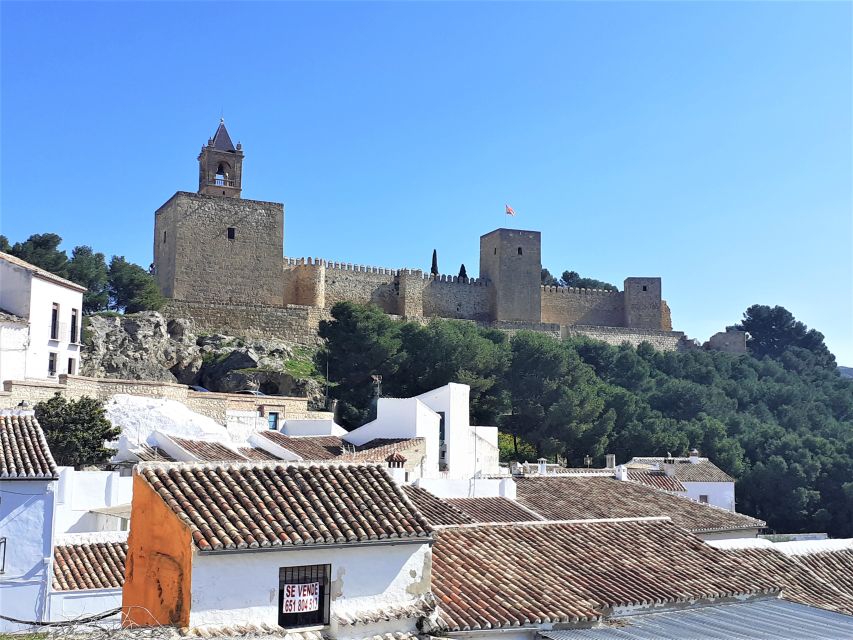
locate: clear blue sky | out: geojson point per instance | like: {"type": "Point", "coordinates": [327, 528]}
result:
{"type": "Point", "coordinates": [709, 144]}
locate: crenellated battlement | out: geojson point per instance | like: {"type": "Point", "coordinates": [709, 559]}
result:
{"type": "Point", "coordinates": [476, 282]}
{"type": "Point", "coordinates": [579, 291]}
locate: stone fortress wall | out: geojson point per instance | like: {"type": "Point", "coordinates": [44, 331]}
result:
{"type": "Point", "coordinates": [218, 258]}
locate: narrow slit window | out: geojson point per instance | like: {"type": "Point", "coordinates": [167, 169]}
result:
{"type": "Point", "coordinates": [54, 322]}
{"type": "Point", "coordinates": [519, 251]}
{"type": "Point", "coordinates": [645, 288]}
{"type": "Point", "coordinates": [232, 233]}
{"type": "Point", "coordinates": [73, 337]}
{"type": "Point", "coordinates": [164, 237]}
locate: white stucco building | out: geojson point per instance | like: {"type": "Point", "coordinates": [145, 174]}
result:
{"type": "Point", "coordinates": [703, 481]}
{"type": "Point", "coordinates": [28, 479]}
{"type": "Point", "coordinates": [51, 309]}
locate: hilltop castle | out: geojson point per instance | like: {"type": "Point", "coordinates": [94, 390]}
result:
{"type": "Point", "coordinates": [219, 259]}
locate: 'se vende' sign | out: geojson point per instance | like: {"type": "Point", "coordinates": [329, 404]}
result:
{"type": "Point", "coordinates": [301, 597]}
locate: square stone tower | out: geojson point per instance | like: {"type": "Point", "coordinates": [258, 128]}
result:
{"type": "Point", "coordinates": [511, 259]}
{"type": "Point", "coordinates": [643, 308]}
{"type": "Point", "coordinates": [213, 246]}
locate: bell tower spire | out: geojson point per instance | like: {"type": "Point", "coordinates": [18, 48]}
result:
{"type": "Point", "coordinates": [220, 165]}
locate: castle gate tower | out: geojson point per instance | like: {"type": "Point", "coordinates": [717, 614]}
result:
{"type": "Point", "coordinates": [214, 246]}
{"type": "Point", "coordinates": [512, 260]}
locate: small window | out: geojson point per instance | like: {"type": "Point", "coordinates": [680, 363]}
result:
{"type": "Point", "coordinates": [272, 420]}
{"type": "Point", "coordinates": [51, 364]}
{"type": "Point", "coordinates": [70, 366]}
{"type": "Point", "coordinates": [645, 288]}
{"type": "Point", "coordinates": [496, 251]}
{"type": "Point", "coordinates": [519, 251]}
{"type": "Point", "coordinates": [703, 499]}
{"type": "Point", "coordinates": [232, 233]}
{"type": "Point", "coordinates": [54, 322]}
{"type": "Point", "coordinates": [164, 237]}
{"type": "Point", "coordinates": [73, 337]}
{"type": "Point", "coordinates": [3, 555]}
{"type": "Point", "coordinates": [303, 596]}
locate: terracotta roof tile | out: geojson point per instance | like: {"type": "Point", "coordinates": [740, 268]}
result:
{"type": "Point", "coordinates": [254, 453]}
{"type": "Point", "coordinates": [147, 453]}
{"type": "Point", "coordinates": [93, 565]}
{"type": "Point", "coordinates": [415, 608]}
{"type": "Point", "coordinates": [494, 509]}
{"type": "Point", "coordinates": [568, 498]}
{"type": "Point", "coordinates": [702, 471]}
{"type": "Point", "coordinates": [24, 453]}
{"type": "Point", "coordinates": [308, 447]}
{"type": "Point", "coordinates": [656, 479]}
{"type": "Point", "coordinates": [379, 449]}
{"type": "Point", "coordinates": [207, 451]}
{"type": "Point", "coordinates": [434, 509]}
{"type": "Point", "coordinates": [510, 575]}
{"type": "Point", "coordinates": [803, 579]}
{"type": "Point", "coordinates": [264, 504]}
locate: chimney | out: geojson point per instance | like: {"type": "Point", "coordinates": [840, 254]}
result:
{"type": "Point", "coordinates": [611, 460]}
{"type": "Point", "coordinates": [543, 466]}
{"type": "Point", "coordinates": [694, 456]}
{"type": "Point", "coordinates": [621, 472]}
{"type": "Point", "coordinates": [668, 466]}
{"type": "Point", "coordinates": [396, 463]}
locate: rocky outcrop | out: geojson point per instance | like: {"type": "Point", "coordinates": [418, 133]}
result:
{"type": "Point", "coordinates": [145, 346]}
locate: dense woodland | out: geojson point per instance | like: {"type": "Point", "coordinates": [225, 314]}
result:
{"type": "Point", "coordinates": [780, 420]}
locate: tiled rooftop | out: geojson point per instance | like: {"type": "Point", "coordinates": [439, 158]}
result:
{"type": "Point", "coordinates": [509, 575]}
{"type": "Point", "coordinates": [89, 565]}
{"type": "Point", "coordinates": [207, 451]}
{"type": "Point", "coordinates": [268, 505]}
{"type": "Point", "coordinates": [569, 498]}
{"type": "Point", "coordinates": [24, 453]}
{"type": "Point", "coordinates": [702, 471]}
{"type": "Point", "coordinates": [494, 509]}
{"type": "Point", "coordinates": [253, 453]}
{"type": "Point", "coordinates": [823, 580]}
{"type": "Point", "coordinates": [39, 272]}
{"type": "Point", "coordinates": [308, 447]}
{"type": "Point", "coordinates": [147, 453]}
{"type": "Point", "coordinates": [379, 449]}
{"type": "Point", "coordinates": [656, 479]}
{"type": "Point", "coordinates": [434, 509]}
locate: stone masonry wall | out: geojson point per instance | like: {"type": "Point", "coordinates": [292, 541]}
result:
{"type": "Point", "coordinates": [196, 260]}
{"type": "Point", "coordinates": [448, 297]}
{"type": "Point", "coordinates": [293, 323]}
{"type": "Point", "coordinates": [563, 305]}
{"type": "Point", "coordinates": [660, 340]}
{"type": "Point", "coordinates": [212, 405]}
{"type": "Point", "coordinates": [362, 284]}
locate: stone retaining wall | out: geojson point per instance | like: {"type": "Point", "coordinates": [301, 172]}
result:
{"type": "Point", "coordinates": [660, 340]}
{"type": "Point", "coordinates": [210, 404]}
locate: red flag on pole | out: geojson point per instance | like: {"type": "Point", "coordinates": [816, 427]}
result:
{"type": "Point", "coordinates": [510, 211]}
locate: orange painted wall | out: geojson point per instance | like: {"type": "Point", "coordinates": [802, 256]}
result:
{"type": "Point", "coordinates": [159, 563]}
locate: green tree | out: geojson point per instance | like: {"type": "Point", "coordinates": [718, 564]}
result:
{"type": "Point", "coordinates": [4, 244]}
{"type": "Point", "coordinates": [360, 342]}
{"type": "Point", "coordinates": [573, 279]}
{"type": "Point", "coordinates": [131, 288]}
{"type": "Point", "coordinates": [76, 430]}
{"type": "Point", "coordinates": [89, 269]}
{"type": "Point", "coordinates": [42, 250]}
{"type": "Point", "coordinates": [772, 330]}
{"type": "Point", "coordinates": [547, 279]}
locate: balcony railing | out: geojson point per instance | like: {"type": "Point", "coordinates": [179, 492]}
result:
{"type": "Point", "coordinates": [222, 182]}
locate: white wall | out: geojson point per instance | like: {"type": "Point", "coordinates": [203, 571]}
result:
{"type": "Point", "coordinates": [26, 519]}
{"type": "Point", "coordinates": [728, 535]}
{"type": "Point", "coordinates": [43, 295]}
{"type": "Point", "coordinates": [70, 605]}
{"type": "Point", "coordinates": [720, 494]}
{"type": "Point", "coordinates": [403, 418]}
{"type": "Point", "coordinates": [14, 289]}
{"type": "Point", "coordinates": [306, 427]}
{"type": "Point", "coordinates": [453, 400]}
{"type": "Point", "coordinates": [14, 338]}
{"type": "Point", "coordinates": [470, 488]}
{"type": "Point", "coordinates": [242, 588]}
{"type": "Point", "coordinates": [79, 492]}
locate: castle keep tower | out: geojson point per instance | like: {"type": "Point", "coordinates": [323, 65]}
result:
{"type": "Point", "coordinates": [220, 165]}
{"type": "Point", "coordinates": [215, 247]}
{"type": "Point", "coordinates": [512, 260]}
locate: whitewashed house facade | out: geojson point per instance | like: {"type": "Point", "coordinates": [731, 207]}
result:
{"type": "Point", "coordinates": [52, 308]}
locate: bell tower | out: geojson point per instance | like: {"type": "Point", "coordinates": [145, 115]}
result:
{"type": "Point", "coordinates": [220, 165]}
